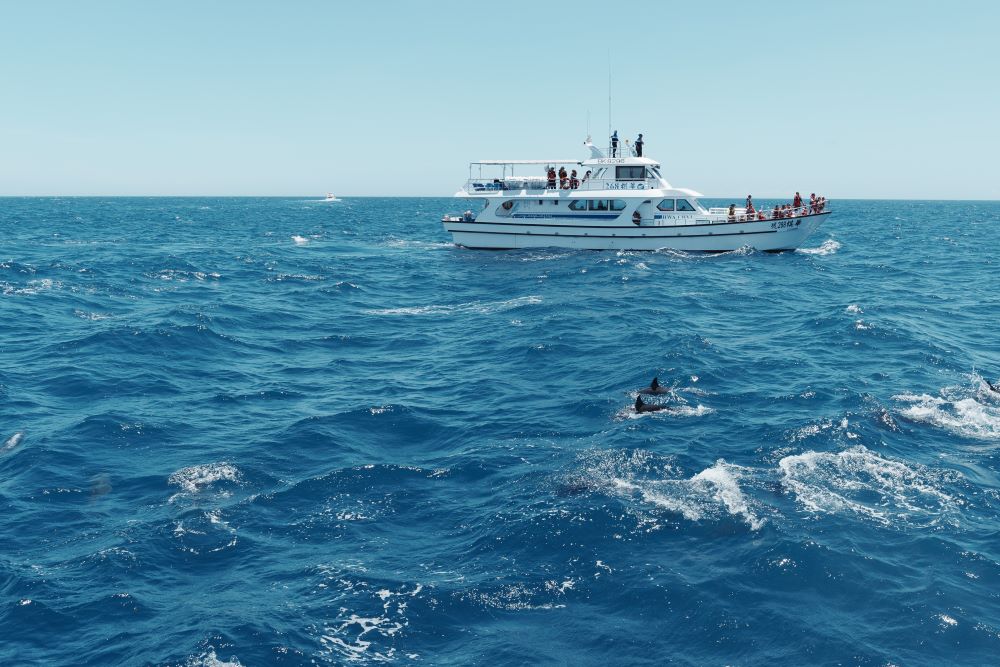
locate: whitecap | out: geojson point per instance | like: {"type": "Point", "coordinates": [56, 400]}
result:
{"type": "Point", "coordinates": [853, 309]}
{"type": "Point", "coordinates": [828, 247]}
{"type": "Point", "coordinates": [300, 240]}
{"type": "Point", "coordinates": [93, 317]}
{"type": "Point", "coordinates": [210, 659]}
{"type": "Point", "coordinates": [12, 442]}
{"type": "Point", "coordinates": [861, 482]}
{"type": "Point", "coordinates": [195, 479]}
{"type": "Point", "coordinates": [474, 307]}
{"type": "Point", "coordinates": [711, 494]}
{"type": "Point", "coordinates": [32, 287]}
{"type": "Point", "coordinates": [708, 494]}
{"type": "Point", "coordinates": [964, 411]}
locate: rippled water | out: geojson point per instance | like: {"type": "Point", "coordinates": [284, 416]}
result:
{"type": "Point", "coordinates": [286, 431]}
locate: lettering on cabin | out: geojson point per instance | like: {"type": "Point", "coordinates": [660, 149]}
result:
{"type": "Point", "coordinates": [626, 185]}
{"type": "Point", "coordinates": [611, 160]}
{"type": "Point", "coordinates": [781, 224]}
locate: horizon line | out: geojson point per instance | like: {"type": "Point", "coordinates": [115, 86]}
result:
{"type": "Point", "coordinates": [344, 197]}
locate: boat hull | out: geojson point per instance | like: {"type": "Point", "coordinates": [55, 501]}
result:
{"type": "Point", "coordinates": [767, 235]}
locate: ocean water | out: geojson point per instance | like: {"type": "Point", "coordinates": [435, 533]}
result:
{"type": "Point", "coordinates": [284, 431]}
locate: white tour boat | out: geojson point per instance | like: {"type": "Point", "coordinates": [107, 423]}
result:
{"type": "Point", "coordinates": [619, 202]}
{"type": "Point", "coordinates": [330, 197]}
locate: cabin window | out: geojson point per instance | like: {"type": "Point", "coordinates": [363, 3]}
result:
{"type": "Point", "coordinates": [578, 205]}
{"type": "Point", "coordinates": [617, 205]}
{"type": "Point", "coordinates": [666, 205]}
{"type": "Point", "coordinates": [630, 173]}
{"type": "Point", "coordinates": [684, 205]}
{"type": "Point", "coordinates": [598, 204]}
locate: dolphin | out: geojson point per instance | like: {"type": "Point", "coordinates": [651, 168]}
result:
{"type": "Point", "coordinates": [654, 388]}
{"type": "Point", "coordinates": [993, 387]}
{"type": "Point", "coordinates": [641, 407]}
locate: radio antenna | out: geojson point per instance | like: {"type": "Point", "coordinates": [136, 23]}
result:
{"type": "Point", "coordinates": [609, 91]}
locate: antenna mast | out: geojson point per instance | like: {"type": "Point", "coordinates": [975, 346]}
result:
{"type": "Point", "coordinates": [609, 92]}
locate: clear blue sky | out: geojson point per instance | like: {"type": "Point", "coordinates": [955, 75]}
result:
{"type": "Point", "coordinates": [851, 99]}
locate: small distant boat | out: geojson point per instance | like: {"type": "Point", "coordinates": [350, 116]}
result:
{"type": "Point", "coordinates": [330, 197]}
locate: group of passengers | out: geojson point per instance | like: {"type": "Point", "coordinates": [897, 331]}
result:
{"type": "Point", "coordinates": [780, 211]}
{"type": "Point", "coordinates": [566, 181]}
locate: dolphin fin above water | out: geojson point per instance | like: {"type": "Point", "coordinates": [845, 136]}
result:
{"type": "Point", "coordinates": [654, 388]}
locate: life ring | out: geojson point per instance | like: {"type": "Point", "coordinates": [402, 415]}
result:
{"type": "Point", "coordinates": [507, 205]}
{"type": "Point", "coordinates": [636, 218]}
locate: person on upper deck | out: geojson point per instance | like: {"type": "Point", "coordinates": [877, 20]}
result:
{"type": "Point", "coordinates": [586, 176]}
{"type": "Point", "coordinates": [797, 200]}
{"type": "Point", "coordinates": [776, 213]}
{"type": "Point", "coordinates": [574, 182]}
{"type": "Point", "coordinates": [732, 213]}
{"type": "Point", "coordinates": [638, 146]}
{"type": "Point", "coordinates": [750, 209]}
{"type": "Point", "coordinates": [614, 144]}
{"type": "Point", "coordinates": [812, 203]}
{"type": "Point", "coordinates": [562, 177]}
{"type": "Point", "coordinates": [551, 178]}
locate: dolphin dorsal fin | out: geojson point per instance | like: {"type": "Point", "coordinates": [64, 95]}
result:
{"type": "Point", "coordinates": [655, 384]}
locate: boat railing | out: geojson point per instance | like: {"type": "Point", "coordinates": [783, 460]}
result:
{"type": "Point", "coordinates": [741, 214]}
{"type": "Point", "coordinates": [541, 183]}
{"type": "Point", "coordinates": [624, 149]}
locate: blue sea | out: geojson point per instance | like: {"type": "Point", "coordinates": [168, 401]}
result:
{"type": "Point", "coordinates": [294, 432]}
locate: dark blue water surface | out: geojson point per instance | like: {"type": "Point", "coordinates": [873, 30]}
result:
{"type": "Point", "coordinates": [283, 431]}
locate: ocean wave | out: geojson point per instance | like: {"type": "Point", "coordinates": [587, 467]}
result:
{"type": "Point", "coordinates": [472, 307]}
{"type": "Point", "coordinates": [196, 479]}
{"type": "Point", "coordinates": [970, 411]}
{"type": "Point", "coordinates": [860, 482]}
{"type": "Point", "coordinates": [29, 288]}
{"type": "Point", "coordinates": [369, 615]}
{"type": "Point", "coordinates": [517, 597]}
{"type": "Point", "coordinates": [204, 532]}
{"type": "Point", "coordinates": [828, 247]}
{"type": "Point", "coordinates": [710, 494]}
{"type": "Point", "coordinates": [211, 659]}
{"type": "Point", "coordinates": [182, 275]}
